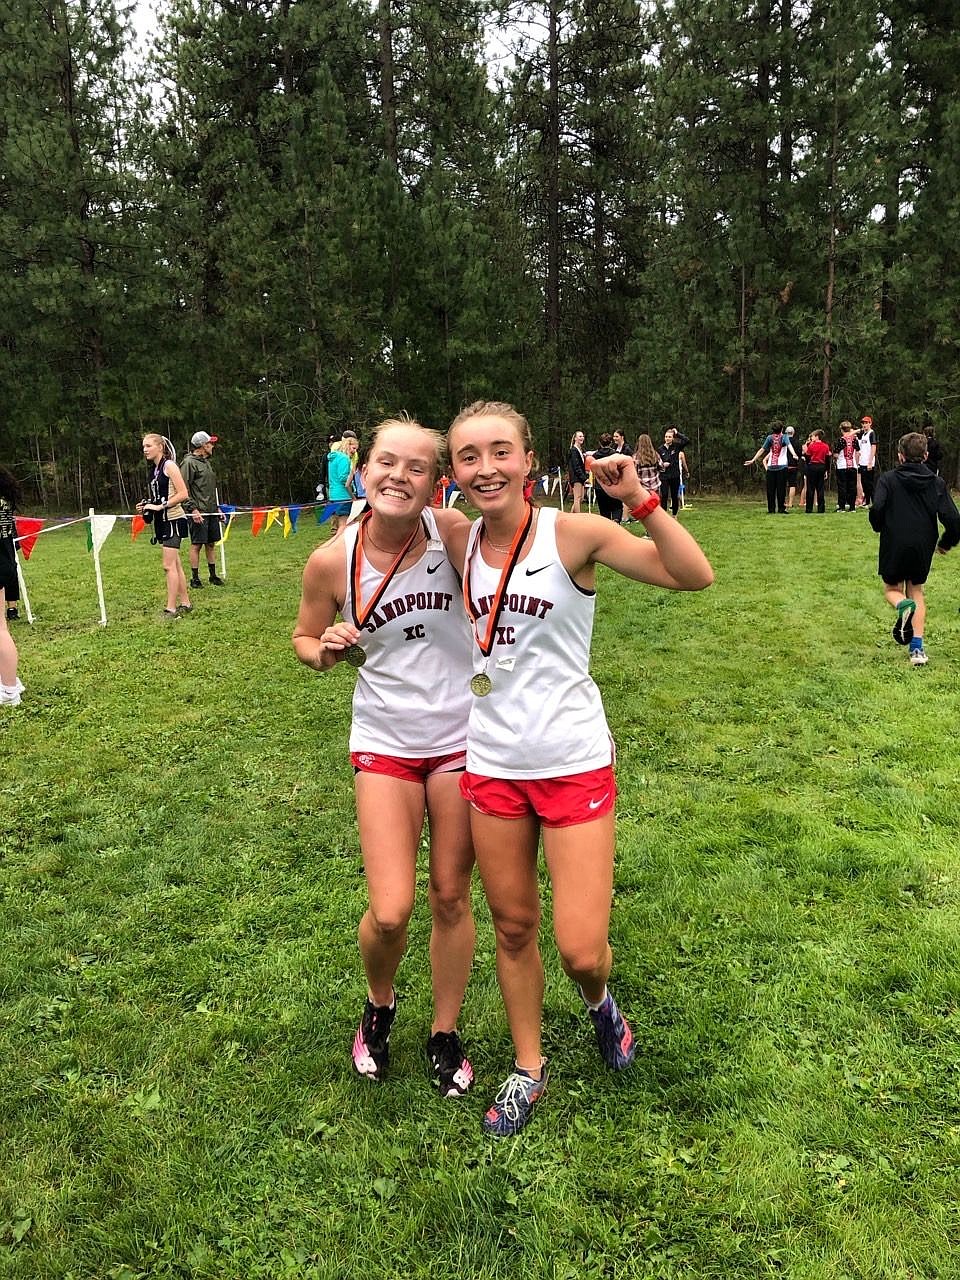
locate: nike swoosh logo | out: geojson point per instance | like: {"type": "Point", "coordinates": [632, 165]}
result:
{"type": "Point", "coordinates": [432, 568]}
{"type": "Point", "coordinates": [531, 572]}
{"type": "Point", "coordinates": [595, 804]}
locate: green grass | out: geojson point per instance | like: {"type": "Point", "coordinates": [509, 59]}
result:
{"type": "Point", "coordinates": [180, 887]}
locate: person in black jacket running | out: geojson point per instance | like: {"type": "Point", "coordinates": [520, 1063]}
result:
{"type": "Point", "coordinates": [907, 504]}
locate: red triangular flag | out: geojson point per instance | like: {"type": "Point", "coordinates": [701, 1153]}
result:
{"type": "Point", "coordinates": [27, 530]}
{"type": "Point", "coordinates": [259, 515]}
{"type": "Point", "coordinates": [138, 526]}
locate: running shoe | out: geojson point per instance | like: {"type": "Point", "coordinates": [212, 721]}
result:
{"type": "Point", "coordinates": [918, 657]}
{"type": "Point", "coordinates": [9, 697]}
{"type": "Point", "coordinates": [614, 1037]}
{"type": "Point", "coordinates": [371, 1045]}
{"type": "Point", "coordinates": [449, 1065]}
{"type": "Point", "coordinates": [903, 627]}
{"type": "Point", "coordinates": [514, 1103]}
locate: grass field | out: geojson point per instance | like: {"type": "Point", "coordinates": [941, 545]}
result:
{"type": "Point", "coordinates": [180, 886]}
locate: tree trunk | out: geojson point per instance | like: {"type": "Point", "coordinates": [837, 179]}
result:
{"type": "Point", "coordinates": [388, 106]}
{"type": "Point", "coordinates": [826, 388]}
{"type": "Point", "coordinates": [552, 298]}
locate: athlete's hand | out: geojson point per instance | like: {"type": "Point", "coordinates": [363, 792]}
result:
{"type": "Point", "coordinates": [337, 639]}
{"type": "Point", "coordinates": [618, 475]}
{"type": "Point", "coordinates": [197, 517]}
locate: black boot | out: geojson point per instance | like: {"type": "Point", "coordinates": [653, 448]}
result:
{"type": "Point", "coordinates": [214, 580]}
{"type": "Point", "coordinates": [195, 583]}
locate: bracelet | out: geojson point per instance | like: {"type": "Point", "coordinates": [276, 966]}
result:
{"type": "Point", "coordinates": [646, 508]}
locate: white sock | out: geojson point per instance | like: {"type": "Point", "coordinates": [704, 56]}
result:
{"type": "Point", "coordinates": [589, 1004]}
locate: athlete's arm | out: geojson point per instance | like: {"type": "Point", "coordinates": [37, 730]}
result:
{"type": "Point", "coordinates": [319, 641]}
{"type": "Point", "coordinates": [454, 528]}
{"type": "Point", "coordinates": [671, 558]}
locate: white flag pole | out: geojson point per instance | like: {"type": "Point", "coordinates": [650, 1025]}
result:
{"type": "Point", "coordinates": [96, 566]}
{"type": "Point", "coordinates": [23, 586]}
{"type": "Point", "coordinates": [223, 527]}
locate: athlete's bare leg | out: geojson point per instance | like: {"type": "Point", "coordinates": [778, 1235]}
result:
{"type": "Point", "coordinates": [507, 861]}
{"type": "Point", "coordinates": [390, 815]}
{"type": "Point", "coordinates": [580, 862]}
{"type": "Point", "coordinates": [453, 936]}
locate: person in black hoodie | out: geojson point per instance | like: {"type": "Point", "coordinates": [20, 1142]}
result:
{"type": "Point", "coordinates": [907, 503]}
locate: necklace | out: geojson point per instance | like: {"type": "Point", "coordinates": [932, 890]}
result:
{"type": "Point", "coordinates": [503, 551]}
{"type": "Point", "coordinates": [392, 551]}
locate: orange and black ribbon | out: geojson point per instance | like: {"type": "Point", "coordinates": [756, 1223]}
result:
{"type": "Point", "coordinates": [360, 611]}
{"type": "Point", "coordinates": [513, 555]}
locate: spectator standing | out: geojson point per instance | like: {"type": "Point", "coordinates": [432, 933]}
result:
{"type": "Point", "coordinates": [647, 461]}
{"type": "Point", "coordinates": [673, 462]}
{"type": "Point", "coordinates": [206, 522]}
{"type": "Point", "coordinates": [322, 481]}
{"type": "Point", "coordinates": [847, 472]}
{"type": "Point", "coordinates": [867, 458]}
{"type": "Point", "coordinates": [620, 443]}
{"type": "Point", "coordinates": [339, 479]}
{"type": "Point", "coordinates": [164, 508]}
{"type": "Point", "coordinates": [934, 449]}
{"type": "Point", "coordinates": [576, 469]}
{"type": "Point", "coordinates": [775, 451]}
{"type": "Point", "coordinates": [908, 502]}
{"type": "Point", "coordinates": [10, 685]}
{"type": "Point", "coordinates": [793, 466]}
{"type": "Point", "coordinates": [609, 507]}
{"type": "Point", "coordinates": [818, 454]}
{"type": "Point", "coordinates": [10, 499]}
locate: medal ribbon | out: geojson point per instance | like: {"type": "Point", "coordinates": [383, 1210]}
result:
{"type": "Point", "coordinates": [513, 555]}
{"type": "Point", "coordinates": [360, 611]}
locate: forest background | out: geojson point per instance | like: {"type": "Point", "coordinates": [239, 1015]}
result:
{"type": "Point", "coordinates": [291, 216]}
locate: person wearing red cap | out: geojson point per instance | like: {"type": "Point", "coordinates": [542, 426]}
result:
{"type": "Point", "coordinates": [206, 523]}
{"type": "Point", "coordinates": [867, 459]}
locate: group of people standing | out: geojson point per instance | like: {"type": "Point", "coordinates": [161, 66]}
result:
{"type": "Point", "coordinates": [800, 473]}
{"type": "Point", "coordinates": [500, 613]}
{"type": "Point", "coordinates": [660, 470]}
{"type": "Point", "coordinates": [182, 502]}
{"type": "Point", "coordinates": [907, 505]}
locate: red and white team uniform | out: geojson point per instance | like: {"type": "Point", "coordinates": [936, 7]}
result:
{"type": "Point", "coordinates": [529, 726]}
{"type": "Point", "coordinates": [412, 696]}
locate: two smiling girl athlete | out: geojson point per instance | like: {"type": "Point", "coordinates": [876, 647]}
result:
{"type": "Point", "coordinates": [539, 758]}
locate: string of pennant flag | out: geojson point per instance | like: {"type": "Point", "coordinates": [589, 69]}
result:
{"type": "Point", "coordinates": [262, 519]}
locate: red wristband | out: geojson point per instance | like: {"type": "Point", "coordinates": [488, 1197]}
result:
{"type": "Point", "coordinates": [646, 508]}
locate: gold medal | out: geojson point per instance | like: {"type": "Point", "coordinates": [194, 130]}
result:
{"type": "Point", "coordinates": [481, 684]}
{"type": "Point", "coordinates": [355, 656]}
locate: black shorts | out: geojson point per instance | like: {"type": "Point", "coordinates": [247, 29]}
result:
{"type": "Point", "coordinates": [906, 564]}
{"type": "Point", "coordinates": [8, 578]}
{"type": "Point", "coordinates": [206, 531]}
{"type": "Point", "coordinates": [170, 533]}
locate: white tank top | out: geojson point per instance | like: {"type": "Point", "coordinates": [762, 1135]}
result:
{"type": "Point", "coordinates": [543, 718]}
{"type": "Point", "coordinates": [412, 695]}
